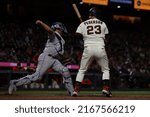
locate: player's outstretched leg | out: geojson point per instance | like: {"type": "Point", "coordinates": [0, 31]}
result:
{"type": "Point", "coordinates": [12, 87]}
{"type": "Point", "coordinates": [14, 83]}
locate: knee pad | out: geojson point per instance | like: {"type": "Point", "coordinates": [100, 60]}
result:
{"type": "Point", "coordinates": [65, 72]}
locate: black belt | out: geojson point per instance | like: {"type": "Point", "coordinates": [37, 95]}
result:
{"type": "Point", "coordinates": [50, 55]}
{"type": "Point", "coordinates": [59, 56]}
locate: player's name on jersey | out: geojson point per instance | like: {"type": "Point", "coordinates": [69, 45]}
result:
{"type": "Point", "coordinates": [92, 22]}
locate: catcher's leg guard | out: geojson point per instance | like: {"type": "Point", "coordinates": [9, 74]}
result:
{"type": "Point", "coordinates": [67, 80]}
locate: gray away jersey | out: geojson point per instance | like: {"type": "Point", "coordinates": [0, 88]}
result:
{"type": "Point", "coordinates": [54, 45]}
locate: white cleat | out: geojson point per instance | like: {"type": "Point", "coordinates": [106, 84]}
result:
{"type": "Point", "coordinates": [12, 87]}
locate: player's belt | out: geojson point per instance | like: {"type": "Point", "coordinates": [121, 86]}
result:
{"type": "Point", "coordinates": [50, 55]}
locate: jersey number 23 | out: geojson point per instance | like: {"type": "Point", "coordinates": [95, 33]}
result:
{"type": "Point", "coordinates": [93, 29]}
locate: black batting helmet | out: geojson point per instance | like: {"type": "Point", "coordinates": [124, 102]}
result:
{"type": "Point", "coordinates": [60, 26]}
{"type": "Point", "coordinates": [94, 12]}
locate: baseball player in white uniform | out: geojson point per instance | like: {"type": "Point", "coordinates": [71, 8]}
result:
{"type": "Point", "coordinates": [93, 31]}
{"type": "Point", "coordinates": [54, 48]}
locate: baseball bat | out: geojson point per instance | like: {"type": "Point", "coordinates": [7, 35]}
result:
{"type": "Point", "coordinates": [77, 11]}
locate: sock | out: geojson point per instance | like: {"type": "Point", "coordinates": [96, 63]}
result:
{"type": "Point", "coordinates": [106, 83]}
{"type": "Point", "coordinates": [77, 86]}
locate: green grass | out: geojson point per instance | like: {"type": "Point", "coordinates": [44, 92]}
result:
{"type": "Point", "coordinates": [61, 93]}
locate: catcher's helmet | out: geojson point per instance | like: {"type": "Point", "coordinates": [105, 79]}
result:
{"type": "Point", "coordinates": [60, 26]}
{"type": "Point", "coordinates": [93, 12]}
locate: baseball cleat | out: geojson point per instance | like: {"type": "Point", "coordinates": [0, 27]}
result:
{"type": "Point", "coordinates": [12, 87]}
{"type": "Point", "coordinates": [75, 94]}
{"type": "Point", "coordinates": [106, 91]}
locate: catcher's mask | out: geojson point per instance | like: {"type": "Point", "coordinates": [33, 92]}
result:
{"type": "Point", "coordinates": [60, 26]}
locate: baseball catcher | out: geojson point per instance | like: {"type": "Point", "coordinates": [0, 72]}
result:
{"type": "Point", "coordinates": [54, 48]}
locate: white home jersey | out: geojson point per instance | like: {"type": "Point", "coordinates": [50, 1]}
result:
{"type": "Point", "coordinates": [93, 31]}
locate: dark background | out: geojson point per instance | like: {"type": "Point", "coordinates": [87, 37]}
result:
{"type": "Point", "coordinates": [51, 10]}
{"type": "Point", "coordinates": [129, 42]}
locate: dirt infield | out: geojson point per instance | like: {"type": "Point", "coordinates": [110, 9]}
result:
{"type": "Point", "coordinates": [25, 97]}
{"type": "Point", "coordinates": [84, 95]}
